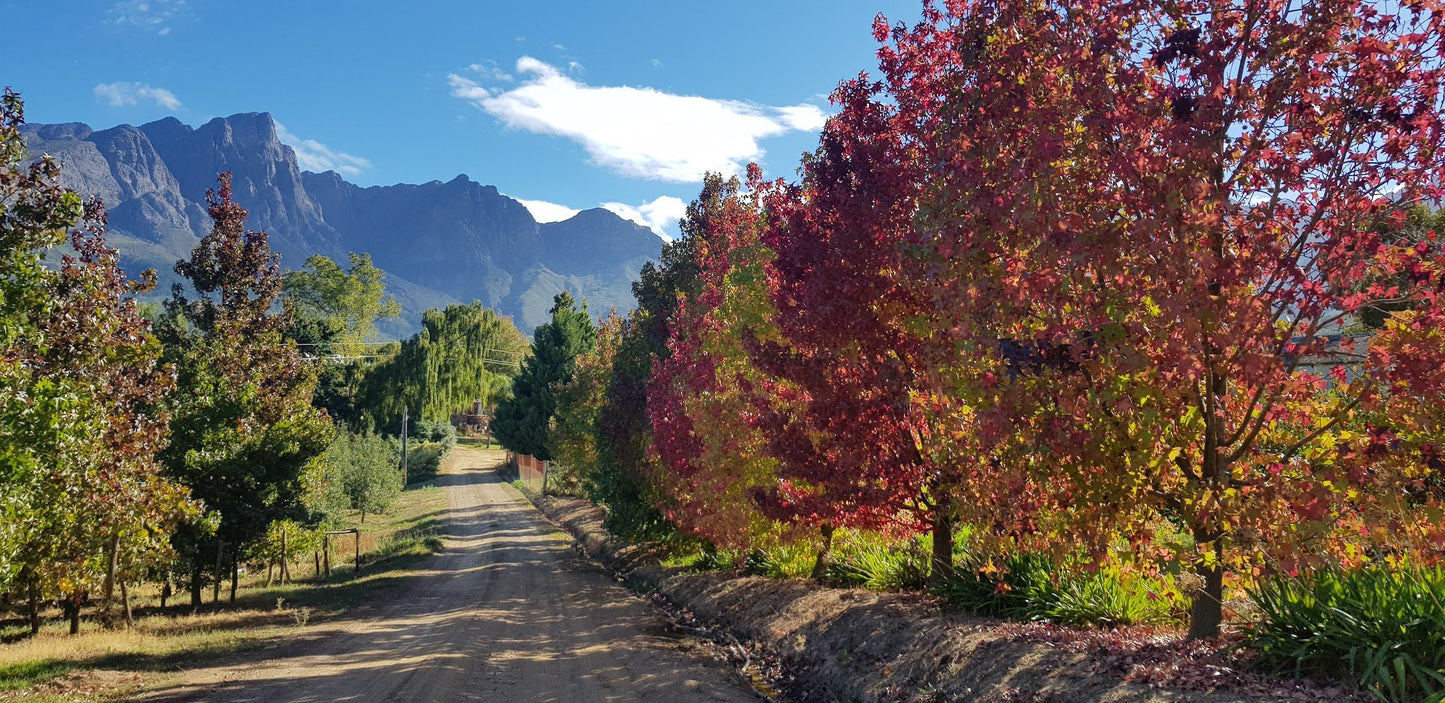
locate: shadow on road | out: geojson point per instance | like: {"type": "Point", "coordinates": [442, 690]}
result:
{"type": "Point", "coordinates": [507, 612]}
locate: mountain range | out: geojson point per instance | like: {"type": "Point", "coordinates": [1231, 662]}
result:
{"type": "Point", "coordinates": [439, 242]}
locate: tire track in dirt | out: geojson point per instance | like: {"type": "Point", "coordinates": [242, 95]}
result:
{"type": "Point", "coordinates": [507, 612]}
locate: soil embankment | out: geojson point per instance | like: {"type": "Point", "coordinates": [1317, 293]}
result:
{"type": "Point", "coordinates": [857, 645]}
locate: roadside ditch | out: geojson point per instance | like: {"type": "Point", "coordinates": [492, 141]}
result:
{"type": "Point", "coordinates": [804, 642]}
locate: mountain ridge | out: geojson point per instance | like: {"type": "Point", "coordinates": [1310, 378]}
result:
{"type": "Point", "coordinates": [440, 242]}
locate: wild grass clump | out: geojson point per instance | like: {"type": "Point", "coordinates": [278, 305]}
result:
{"type": "Point", "coordinates": [1381, 627]}
{"type": "Point", "coordinates": [1113, 599]}
{"type": "Point", "coordinates": [1015, 589]}
{"type": "Point", "coordinates": [865, 562]}
{"type": "Point", "coordinates": [1031, 587]}
{"type": "Point", "coordinates": [788, 561]}
{"type": "Point", "coordinates": [420, 540]}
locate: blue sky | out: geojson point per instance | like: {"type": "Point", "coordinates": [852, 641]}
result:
{"type": "Point", "coordinates": [572, 104]}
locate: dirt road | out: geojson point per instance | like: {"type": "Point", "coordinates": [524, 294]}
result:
{"type": "Point", "coordinates": [508, 612]}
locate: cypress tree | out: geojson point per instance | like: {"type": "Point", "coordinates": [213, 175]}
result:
{"type": "Point", "coordinates": [522, 422]}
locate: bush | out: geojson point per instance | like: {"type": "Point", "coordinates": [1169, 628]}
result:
{"type": "Point", "coordinates": [435, 432]}
{"type": "Point", "coordinates": [1383, 628]}
{"type": "Point", "coordinates": [1110, 599]}
{"type": "Point", "coordinates": [424, 460]}
{"type": "Point", "coordinates": [788, 561]}
{"type": "Point", "coordinates": [564, 480]}
{"type": "Point", "coordinates": [1018, 589]}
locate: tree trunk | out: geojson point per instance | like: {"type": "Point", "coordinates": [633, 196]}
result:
{"type": "Point", "coordinates": [942, 558]}
{"type": "Point", "coordinates": [216, 589]}
{"type": "Point", "coordinates": [33, 588]}
{"type": "Point", "coordinates": [270, 570]}
{"type": "Point", "coordinates": [110, 569]}
{"type": "Point", "coordinates": [363, 516]}
{"type": "Point", "coordinates": [198, 571]}
{"type": "Point", "coordinates": [1206, 611]}
{"type": "Point", "coordinates": [316, 556]}
{"type": "Point", "coordinates": [72, 612]}
{"type": "Point", "coordinates": [125, 603]}
{"type": "Point", "coordinates": [165, 591]}
{"type": "Point", "coordinates": [285, 558]}
{"type": "Point", "coordinates": [820, 564]}
{"type": "Point", "coordinates": [235, 577]}
{"type": "Point", "coordinates": [326, 554]}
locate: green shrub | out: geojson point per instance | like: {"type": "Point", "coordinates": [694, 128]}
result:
{"type": "Point", "coordinates": [564, 480]}
{"type": "Point", "coordinates": [424, 459]}
{"type": "Point", "coordinates": [1030, 587]}
{"type": "Point", "coordinates": [1383, 628]}
{"type": "Point", "coordinates": [435, 432]}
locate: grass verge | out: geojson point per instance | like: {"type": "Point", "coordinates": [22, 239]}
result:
{"type": "Point", "coordinates": [104, 664]}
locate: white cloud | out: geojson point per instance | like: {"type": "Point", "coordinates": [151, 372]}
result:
{"type": "Point", "coordinates": [123, 93]}
{"type": "Point", "coordinates": [639, 132]}
{"type": "Point", "coordinates": [150, 15]}
{"type": "Point", "coordinates": [314, 156]}
{"type": "Point", "coordinates": [491, 70]}
{"type": "Point", "coordinates": [806, 118]}
{"type": "Point", "coordinates": [543, 211]}
{"type": "Point", "coordinates": [661, 215]}
{"type": "Point", "coordinates": [468, 89]}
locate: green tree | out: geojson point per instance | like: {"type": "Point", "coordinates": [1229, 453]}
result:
{"type": "Point", "coordinates": [35, 410]}
{"type": "Point", "coordinates": [620, 480]}
{"type": "Point", "coordinates": [523, 421]}
{"type": "Point", "coordinates": [580, 402]}
{"type": "Point", "coordinates": [350, 301]}
{"type": "Point", "coordinates": [116, 507]}
{"type": "Point", "coordinates": [367, 470]}
{"type": "Point", "coordinates": [336, 314]}
{"type": "Point", "coordinates": [462, 354]}
{"type": "Point", "coordinates": [243, 429]}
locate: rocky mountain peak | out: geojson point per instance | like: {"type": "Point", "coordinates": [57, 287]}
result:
{"type": "Point", "coordinates": [440, 243]}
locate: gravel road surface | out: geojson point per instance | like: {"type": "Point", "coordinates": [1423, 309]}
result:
{"type": "Point", "coordinates": [508, 612]}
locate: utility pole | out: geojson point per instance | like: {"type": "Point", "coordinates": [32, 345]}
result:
{"type": "Point", "coordinates": [405, 470]}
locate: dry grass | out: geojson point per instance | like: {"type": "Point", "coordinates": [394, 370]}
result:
{"type": "Point", "coordinates": [104, 664]}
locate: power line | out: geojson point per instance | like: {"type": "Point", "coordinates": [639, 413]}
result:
{"type": "Point", "coordinates": [354, 357]}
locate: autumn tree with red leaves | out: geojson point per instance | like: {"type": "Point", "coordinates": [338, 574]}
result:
{"type": "Point", "coordinates": [115, 506]}
{"type": "Point", "coordinates": [1152, 224]}
{"type": "Point", "coordinates": [715, 476]}
{"type": "Point", "coordinates": [81, 419]}
{"type": "Point", "coordinates": [856, 441]}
